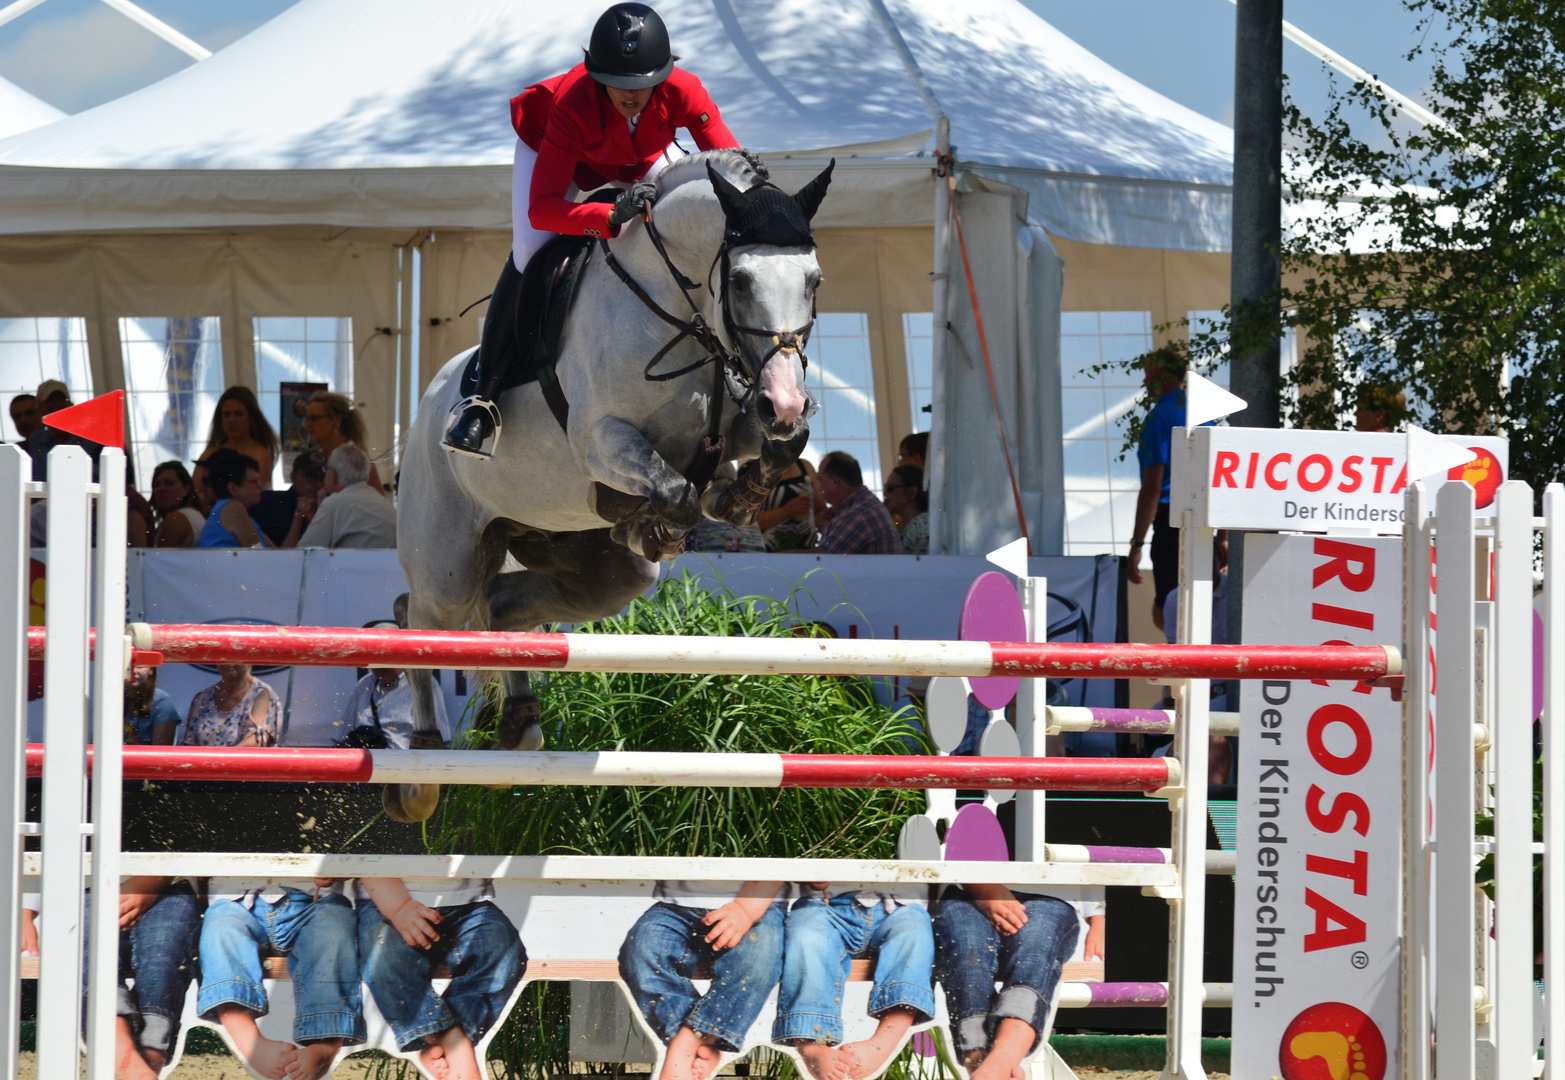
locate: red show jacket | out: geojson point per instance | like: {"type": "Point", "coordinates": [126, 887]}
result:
{"type": "Point", "coordinates": [581, 137]}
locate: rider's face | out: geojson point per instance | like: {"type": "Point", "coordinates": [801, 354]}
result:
{"type": "Point", "coordinates": [629, 102]}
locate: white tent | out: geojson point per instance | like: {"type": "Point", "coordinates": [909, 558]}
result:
{"type": "Point", "coordinates": [372, 115]}
{"type": "Point", "coordinates": [20, 111]}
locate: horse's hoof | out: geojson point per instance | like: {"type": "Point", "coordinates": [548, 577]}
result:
{"type": "Point", "coordinates": [410, 803]}
{"type": "Point", "coordinates": [521, 723]}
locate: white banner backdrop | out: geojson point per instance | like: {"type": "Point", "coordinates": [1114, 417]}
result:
{"type": "Point", "coordinates": [1316, 946]}
{"type": "Point", "coordinates": [860, 596]}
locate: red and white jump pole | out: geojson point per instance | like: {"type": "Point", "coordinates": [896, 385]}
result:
{"type": "Point", "coordinates": [353, 647]}
{"type": "Point", "coordinates": [636, 769]}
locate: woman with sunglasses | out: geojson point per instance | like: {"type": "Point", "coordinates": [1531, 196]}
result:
{"type": "Point", "coordinates": [908, 502]}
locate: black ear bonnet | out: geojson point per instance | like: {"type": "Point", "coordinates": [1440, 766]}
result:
{"type": "Point", "coordinates": [766, 214]}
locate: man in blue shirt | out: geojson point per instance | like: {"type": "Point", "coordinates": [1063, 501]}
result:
{"type": "Point", "coordinates": [1163, 383]}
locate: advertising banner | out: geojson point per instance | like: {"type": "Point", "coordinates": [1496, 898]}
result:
{"type": "Point", "coordinates": [1314, 481]}
{"type": "Point", "coordinates": [1316, 946]}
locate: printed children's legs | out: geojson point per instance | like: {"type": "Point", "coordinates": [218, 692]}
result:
{"type": "Point", "coordinates": [817, 957]}
{"type": "Point", "coordinates": [232, 993]}
{"type": "Point", "coordinates": [161, 954]}
{"type": "Point", "coordinates": [321, 938]}
{"type": "Point", "coordinates": [903, 994]}
{"type": "Point", "coordinates": [128, 1062]}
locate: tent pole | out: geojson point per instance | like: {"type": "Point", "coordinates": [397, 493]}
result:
{"type": "Point", "coordinates": [945, 184]}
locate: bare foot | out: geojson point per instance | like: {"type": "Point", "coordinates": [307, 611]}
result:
{"type": "Point", "coordinates": [1007, 1053]}
{"type": "Point", "coordinates": [128, 1062]}
{"type": "Point", "coordinates": [457, 1054]}
{"type": "Point", "coordinates": [824, 1062]}
{"type": "Point", "coordinates": [314, 1061]}
{"type": "Point", "coordinates": [271, 1058]}
{"type": "Point", "coordinates": [680, 1059]}
{"type": "Point", "coordinates": [432, 1059]}
{"type": "Point", "coordinates": [707, 1059]}
{"type": "Point", "coordinates": [864, 1059]}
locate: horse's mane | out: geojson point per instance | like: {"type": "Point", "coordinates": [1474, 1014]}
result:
{"type": "Point", "coordinates": [733, 166]}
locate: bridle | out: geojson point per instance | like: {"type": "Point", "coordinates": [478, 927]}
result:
{"type": "Point", "coordinates": [731, 366]}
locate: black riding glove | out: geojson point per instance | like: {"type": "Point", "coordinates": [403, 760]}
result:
{"type": "Point", "coordinates": [633, 203]}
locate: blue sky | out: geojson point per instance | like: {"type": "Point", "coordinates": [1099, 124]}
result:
{"type": "Point", "coordinates": [78, 53]}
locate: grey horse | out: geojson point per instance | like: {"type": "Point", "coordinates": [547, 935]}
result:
{"type": "Point", "coordinates": [588, 512]}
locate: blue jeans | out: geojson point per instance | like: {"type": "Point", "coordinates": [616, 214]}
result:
{"type": "Point", "coordinates": [159, 953]}
{"type": "Point", "coordinates": [660, 955]}
{"type": "Point", "coordinates": [479, 945]}
{"type": "Point", "coordinates": [971, 956]}
{"type": "Point", "coordinates": [820, 941]}
{"type": "Point", "coordinates": [320, 937]}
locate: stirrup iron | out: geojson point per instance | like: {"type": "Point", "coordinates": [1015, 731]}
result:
{"type": "Point", "coordinates": [485, 450]}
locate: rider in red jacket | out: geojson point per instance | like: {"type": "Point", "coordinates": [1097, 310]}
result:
{"type": "Point", "coordinates": [609, 120]}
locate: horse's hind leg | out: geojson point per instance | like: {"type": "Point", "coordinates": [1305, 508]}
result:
{"type": "Point", "coordinates": [572, 578]}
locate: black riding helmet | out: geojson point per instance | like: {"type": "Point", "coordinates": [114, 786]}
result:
{"type": "Point", "coordinates": [629, 48]}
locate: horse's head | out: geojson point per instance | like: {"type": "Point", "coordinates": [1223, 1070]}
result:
{"type": "Point", "coordinates": [766, 288]}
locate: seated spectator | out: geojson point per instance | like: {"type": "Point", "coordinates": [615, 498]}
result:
{"type": "Point", "coordinates": [314, 925]}
{"type": "Point", "coordinates": [239, 710]}
{"type": "Point", "coordinates": [51, 398]}
{"type": "Point", "coordinates": [178, 506]}
{"type": "Point", "coordinates": [860, 524]}
{"type": "Point", "coordinates": [151, 717]}
{"type": "Point", "coordinates": [140, 520]}
{"type": "Point", "coordinates": [24, 416]}
{"type": "Point", "coordinates": [787, 518]}
{"type": "Point", "coordinates": [236, 481]}
{"type": "Point", "coordinates": [404, 932]}
{"type": "Point", "coordinates": [238, 424]}
{"type": "Point", "coordinates": [351, 514]}
{"type": "Point", "coordinates": [914, 450]}
{"type": "Point", "coordinates": [380, 711]}
{"type": "Point", "coordinates": [279, 512]}
{"type": "Point", "coordinates": [905, 497]}
{"type": "Point", "coordinates": [332, 421]}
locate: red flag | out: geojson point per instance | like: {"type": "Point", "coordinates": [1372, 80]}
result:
{"type": "Point", "coordinates": [101, 420]}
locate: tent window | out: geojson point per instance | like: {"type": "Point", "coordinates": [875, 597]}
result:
{"type": "Point", "coordinates": [173, 378]}
{"type": "Point", "coordinates": [316, 349]}
{"type": "Point", "coordinates": [1100, 490]}
{"type": "Point", "coordinates": [840, 375]}
{"type": "Point", "coordinates": [32, 350]}
{"type": "Point", "coordinates": [918, 342]}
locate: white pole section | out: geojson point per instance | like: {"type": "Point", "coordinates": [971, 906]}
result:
{"type": "Point", "coordinates": [1416, 568]}
{"type": "Point", "coordinates": [1553, 773]}
{"type": "Point", "coordinates": [1031, 728]}
{"type": "Point", "coordinates": [1455, 1056]}
{"type": "Point", "coordinates": [1187, 917]}
{"type": "Point", "coordinates": [1512, 737]}
{"type": "Point", "coordinates": [65, 770]}
{"type": "Point", "coordinates": [19, 8]}
{"type": "Point", "coordinates": [108, 726]}
{"type": "Point", "coordinates": [162, 29]}
{"type": "Point", "coordinates": [15, 472]}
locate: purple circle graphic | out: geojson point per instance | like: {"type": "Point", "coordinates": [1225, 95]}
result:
{"type": "Point", "coordinates": [993, 612]}
{"type": "Point", "coordinates": [976, 836]}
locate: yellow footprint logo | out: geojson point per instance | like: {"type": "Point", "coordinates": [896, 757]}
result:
{"type": "Point", "coordinates": [1477, 470]}
{"type": "Point", "coordinates": [1343, 1055]}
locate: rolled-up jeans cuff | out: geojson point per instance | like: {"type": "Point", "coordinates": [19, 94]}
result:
{"type": "Point", "coordinates": [158, 1033]}
{"type": "Point", "coordinates": [724, 1039]}
{"type": "Point", "coordinates": [230, 992]}
{"type": "Point", "coordinates": [125, 1004]}
{"type": "Point", "coordinates": [1022, 1003]}
{"type": "Point", "coordinates": [808, 1027]}
{"type": "Point", "coordinates": [971, 1033]}
{"type": "Point", "coordinates": [903, 995]}
{"type": "Point", "coordinates": [316, 1027]}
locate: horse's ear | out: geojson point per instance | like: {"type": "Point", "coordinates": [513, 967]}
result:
{"type": "Point", "coordinates": [729, 197]}
{"type": "Point", "coordinates": [810, 195]}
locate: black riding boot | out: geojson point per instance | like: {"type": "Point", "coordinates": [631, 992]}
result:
{"type": "Point", "coordinates": [498, 349]}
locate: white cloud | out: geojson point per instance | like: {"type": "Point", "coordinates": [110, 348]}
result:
{"type": "Point", "coordinates": [78, 59]}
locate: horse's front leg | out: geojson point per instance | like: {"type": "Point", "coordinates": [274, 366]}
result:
{"type": "Point", "coordinates": [615, 453]}
{"type": "Point", "coordinates": [736, 497]}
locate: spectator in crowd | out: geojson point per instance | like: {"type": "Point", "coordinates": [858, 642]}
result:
{"type": "Point", "coordinates": [351, 514]}
{"type": "Point", "coordinates": [905, 497]}
{"type": "Point", "coordinates": [238, 424]}
{"type": "Point", "coordinates": [332, 421]}
{"type": "Point", "coordinates": [24, 415]}
{"type": "Point", "coordinates": [178, 506]}
{"type": "Point", "coordinates": [141, 521]}
{"type": "Point", "coordinates": [236, 481]}
{"type": "Point", "coordinates": [284, 515]}
{"type": "Point", "coordinates": [860, 524]}
{"type": "Point", "coordinates": [1165, 374]}
{"type": "Point", "coordinates": [239, 710]}
{"type": "Point", "coordinates": [52, 396]}
{"type": "Point", "coordinates": [1381, 407]}
{"type": "Point", "coordinates": [986, 934]}
{"type": "Point", "coordinates": [151, 717]}
{"type": "Point", "coordinates": [404, 932]}
{"type": "Point", "coordinates": [380, 710]}
{"type": "Point", "coordinates": [315, 927]}
{"type": "Point", "coordinates": [914, 450]}
{"type": "Point", "coordinates": [788, 514]}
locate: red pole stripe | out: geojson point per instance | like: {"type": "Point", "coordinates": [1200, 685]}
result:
{"type": "Point", "coordinates": [976, 774]}
{"type": "Point", "coordinates": [1122, 661]}
{"type": "Point", "coordinates": [271, 765]}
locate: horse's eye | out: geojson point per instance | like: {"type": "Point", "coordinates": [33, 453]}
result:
{"type": "Point", "coordinates": [741, 282]}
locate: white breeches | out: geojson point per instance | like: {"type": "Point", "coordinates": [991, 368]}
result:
{"type": "Point", "coordinates": [526, 240]}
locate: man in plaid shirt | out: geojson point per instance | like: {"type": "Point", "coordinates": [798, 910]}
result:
{"type": "Point", "coordinates": [860, 524]}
